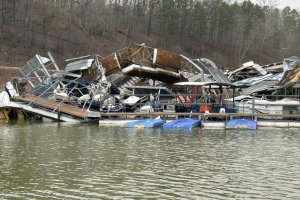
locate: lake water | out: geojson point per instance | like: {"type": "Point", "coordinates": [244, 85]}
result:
{"type": "Point", "coordinates": [85, 161]}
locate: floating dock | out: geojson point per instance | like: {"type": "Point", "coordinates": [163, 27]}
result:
{"type": "Point", "coordinates": [214, 124]}
{"type": "Point", "coordinates": [49, 108]}
{"type": "Point", "coordinates": [109, 119]}
{"type": "Point", "coordinates": [60, 111]}
{"type": "Point", "coordinates": [53, 105]}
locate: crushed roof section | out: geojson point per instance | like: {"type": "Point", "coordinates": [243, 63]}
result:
{"type": "Point", "coordinates": [290, 77]}
{"type": "Point", "coordinates": [255, 80]}
{"type": "Point", "coordinates": [209, 67]}
{"type": "Point", "coordinates": [259, 86]}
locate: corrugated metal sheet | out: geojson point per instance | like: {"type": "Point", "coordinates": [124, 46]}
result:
{"type": "Point", "coordinates": [210, 68]}
{"type": "Point", "coordinates": [260, 86]}
{"type": "Point", "coordinates": [258, 79]}
{"type": "Point", "coordinates": [219, 76]}
{"type": "Point", "coordinates": [79, 65]}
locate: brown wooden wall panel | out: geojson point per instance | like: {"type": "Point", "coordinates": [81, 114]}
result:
{"type": "Point", "coordinates": [169, 59]}
{"type": "Point", "coordinates": [109, 63]}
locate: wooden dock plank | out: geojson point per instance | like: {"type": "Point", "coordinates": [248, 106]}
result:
{"type": "Point", "coordinates": [52, 104]}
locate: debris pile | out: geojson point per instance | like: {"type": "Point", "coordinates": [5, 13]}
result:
{"type": "Point", "coordinates": [139, 78]}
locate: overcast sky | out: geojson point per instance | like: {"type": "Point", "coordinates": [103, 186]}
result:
{"type": "Point", "coordinates": [291, 3]}
{"type": "Point", "coordinates": [283, 3]}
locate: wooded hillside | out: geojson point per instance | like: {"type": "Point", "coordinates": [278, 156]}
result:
{"type": "Point", "coordinates": [227, 33]}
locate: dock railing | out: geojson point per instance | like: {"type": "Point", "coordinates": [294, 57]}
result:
{"type": "Point", "coordinates": [204, 106]}
{"type": "Point", "coordinates": [214, 107]}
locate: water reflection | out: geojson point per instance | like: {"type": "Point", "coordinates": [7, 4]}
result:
{"type": "Point", "coordinates": [84, 161]}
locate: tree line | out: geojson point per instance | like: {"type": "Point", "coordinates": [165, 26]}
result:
{"type": "Point", "coordinates": [227, 32]}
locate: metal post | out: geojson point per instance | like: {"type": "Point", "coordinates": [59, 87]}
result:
{"type": "Point", "coordinates": [209, 92]}
{"type": "Point", "coordinates": [233, 98]}
{"type": "Point", "coordinates": [140, 103]}
{"type": "Point", "coordinates": [185, 94]}
{"type": "Point", "coordinates": [42, 64]}
{"type": "Point", "coordinates": [53, 61]}
{"type": "Point", "coordinates": [58, 114]}
{"type": "Point", "coordinates": [38, 77]}
{"type": "Point", "coordinates": [284, 92]}
{"type": "Point", "coordinates": [221, 94]}
{"type": "Point", "coordinates": [176, 97]}
{"type": "Point", "coordinates": [197, 93]}
{"type": "Point", "coordinates": [107, 107]}
{"type": "Point", "coordinates": [253, 105]}
{"type": "Point", "coordinates": [100, 106]}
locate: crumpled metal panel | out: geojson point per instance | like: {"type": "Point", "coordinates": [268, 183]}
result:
{"type": "Point", "coordinates": [248, 66]}
{"type": "Point", "coordinates": [289, 63]}
{"type": "Point", "coordinates": [255, 80]}
{"type": "Point", "coordinates": [209, 67]}
{"type": "Point", "coordinates": [79, 65]}
{"type": "Point", "coordinates": [259, 86]}
{"type": "Point", "coordinates": [290, 77]}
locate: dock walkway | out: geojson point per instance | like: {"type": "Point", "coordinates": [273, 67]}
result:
{"type": "Point", "coordinates": [53, 106]}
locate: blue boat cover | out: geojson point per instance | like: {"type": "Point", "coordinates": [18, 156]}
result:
{"type": "Point", "coordinates": [186, 123]}
{"type": "Point", "coordinates": [145, 123]}
{"type": "Point", "coordinates": [241, 124]}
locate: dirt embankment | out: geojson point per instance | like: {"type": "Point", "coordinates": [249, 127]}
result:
{"type": "Point", "coordinates": [6, 73]}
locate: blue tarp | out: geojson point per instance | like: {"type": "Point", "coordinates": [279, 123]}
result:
{"type": "Point", "coordinates": [241, 124]}
{"type": "Point", "coordinates": [145, 123]}
{"type": "Point", "coordinates": [186, 123]}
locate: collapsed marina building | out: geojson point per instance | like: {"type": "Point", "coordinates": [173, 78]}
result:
{"type": "Point", "coordinates": [142, 79]}
{"type": "Point", "coordinates": [267, 79]}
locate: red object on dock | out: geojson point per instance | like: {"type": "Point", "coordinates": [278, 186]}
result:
{"type": "Point", "coordinates": [205, 107]}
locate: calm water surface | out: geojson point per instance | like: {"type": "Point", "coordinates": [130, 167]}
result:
{"type": "Point", "coordinates": [52, 161]}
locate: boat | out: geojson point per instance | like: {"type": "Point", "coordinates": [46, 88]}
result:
{"type": "Point", "coordinates": [249, 105]}
{"type": "Point", "coordinates": [186, 123]}
{"type": "Point", "coordinates": [241, 124]}
{"type": "Point", "coordinates": [145, 123]}
{"type": "Point", "coordinates": [132, 100]}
